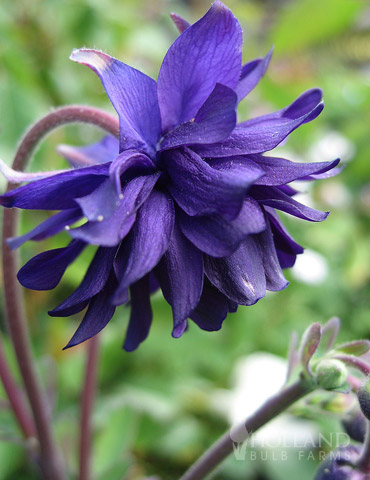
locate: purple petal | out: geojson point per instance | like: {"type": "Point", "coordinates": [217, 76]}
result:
{"type": "Point", "coordinates": [200, 189]}
{"type": "Point", "coordinates": [147, 241]}
{"type": "Point", "coordinates": [109, 232]}
{"type": "Point", "coordinates": [324, 175]}
{"type": "Point", "coordinates": [57, 192]}
{"type": "Point", "coordinates": [133, 95]}
{"type": "Point", "coordinates": [44, 271]}
{"type": "Point", "coordinates": [180, 275]}
{"type": "Point", "coordinates": [128, 160]}
{"type": "Point", "coordinates": [214, 121]}
{"type": "Point", "coordinates": [252, 73]}
{"type": "Point", "coordinates": [240, 276]}
{"type": "Point", "coordinates": [100, 152]}
{"type": "Point", "coordinates": [218, 237]}
{"type": "Point", "coordinates": [94, 281]}
{"type": "Point", "coordinates": [101, 203]}
{"type": "Point", "coordinates": [140, 316]}
{"type": "Point", "coordinates": [279, 171]}
{"type": "Point", "coordinates": [264, 133]}
{"type": "Point", "coordinates": [211, 310]}
{"type": "Point", "coordinates": [207, 53]}
{"type": "Point", "coordinates": [49, 227]}
{"type": "Point", "coordinates": [98, 314]}
{"type": "Point", "coordinates": [276, 198]}
{"type": "Point", "coordinates": [180, 22]}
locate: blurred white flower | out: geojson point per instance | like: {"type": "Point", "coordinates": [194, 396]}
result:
{"type": "Point", "coordinates": [330, 146]}
{"type": "Point", "coordinates": [311, 268]}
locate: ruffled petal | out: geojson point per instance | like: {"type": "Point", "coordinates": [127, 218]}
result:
{"type": "Point", "coordinates": [94, 281]}
{"type": "Point", "coordinates": [98, 314]}
{"type": "Point", "coordinates": [44, 271]}
{"type": "Point", "coordinates": [200, 189]}
{"type": "Point", "coordinates": [110, 231]}
{"type": "Point", "coordinates": [129, 160]}
{"type": "Point", "coordinates": [214, 121]}
{"type": "Point", "coordinates": [141, 315]}
{"type": "Point", "coordinates": [218, 237]}
{"type": "Point", "coordinates": [96, 153]}
{"type": "Point", "coordinates": [206, 53]}
{"type": "Point", "coordinates": [147, 241]}
{"type": "Point", "coordinates": [212, 309]}
{"type": "Point", "coordinates": [58, 191]}
{"type": "Point", "coordinates": [101, 203]}
{"type": "Point", "coordinates": [180, 275]}
{"type": "Point", "coordinates": [252, 73]}
{"type": "Point", "coordinates": [133, 95]}
{"type": "Point", "coordinates": [49, 227]}
{"type": "Point", "coordinates": [240, 276]}
{"type": "Point", "coordinates": [264, 133]}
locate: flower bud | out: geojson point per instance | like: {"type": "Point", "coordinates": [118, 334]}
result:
{"type": "Point", "coordinates": [331, 374]}
{"type": "Point", "coordinates": [363, 394]}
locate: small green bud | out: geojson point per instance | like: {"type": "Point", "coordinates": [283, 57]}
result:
{"type": "Point", "coordinates": [363, 394]}
{"type": "Point", "coordinates": [331, 374]}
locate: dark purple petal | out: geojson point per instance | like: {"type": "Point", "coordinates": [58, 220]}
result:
{"type": "Point", "coordinates": [147, 241]}
{"type": "Point", "coordinates": [279, 171]}
{"type": "Point", "coordinates": [181, 23]}
{"type": "Point", "coordinates": [109, 232]}
{"type": "Point", "coordinates": [218, 237]}
{"type": "Point", "coordinates": [324, 175]}
{"type": "Point", "coordinates": [276, 198]}
{"type": "Point", "coordinates": [180, 275]}
{"type": "Point", "coordinates": [94, 281]}
{"type": "Point", "coordinates": [98, 314]}
{"type": "Point", "coordinates": [49, 227]}
{"type": "Point", "coordinates": [207, 53]}
{"type": "Point", "coordinates": [101, 203]}
{"type": "Point", "coordinates": [252, 73]}
{"type": "Point", "coordinates": [100, 152]}
{"type": "Point", "coordinates": [140, 316]}
{"type": "Point", "coordinates": [133, 95]}
{"type": "Point", "coordinates": [44, 271]}
{"type": "Point", "coordinates": [214, 121]}
{"type": "Point", "coordinates": [128, 160]}
{"type": "Point", "coordinates": [264, 133]}
{"type": "Point", "coordinates": [240, 276]}
{"type": "Point", "coordinates": [57, 192]}
{"type": "Point", "coordinates": [212, 309]}
{"type": "Point", "coordinates": [200, 189]}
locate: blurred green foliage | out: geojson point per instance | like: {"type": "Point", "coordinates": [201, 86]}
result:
{"type": "Point", "coordinates": [156, 409]}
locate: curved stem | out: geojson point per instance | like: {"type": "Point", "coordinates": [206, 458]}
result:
{"type": "Point", "coordinates": [225, 445]}
{"type": "Point", "coordinates": [87, 403]}
{"type": "Point", "coordinates": [51, 464]}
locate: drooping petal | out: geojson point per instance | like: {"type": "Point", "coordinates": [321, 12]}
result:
{"type": "Point", "coordinates": [133, 95]}
{"type": "Point", "coordinates": [212, 309]}
{"type": "Point", "coordinates": [214, 121]}
{"type": "Point", "coordinates": [110, 231]}
{"type": "Point", "coordinates": [274, 197]}
{"type": "Point", "coordinates": [141, 315]}
{"type": "Point", "coordinates": [279, 171]}
{"type": "Point", "coordinates": [101, 203]}
{"type": "Point", "coordinates": [181, 23]}
{"type": "Point", "coordinates": [98, 314]}
{"type": "Point", "coordinates": [200, 189]}
{"type": "Point", "coordinates": [264, 133]}
{"type": "Point", "coordinates": [49, 227]}
{"type": "Point", "coordinates": [100, 152]}
{"type": "Point", "coordinates": [93, 282]}
{"type": "Point", "coordinates": [206, 53]}
{"type": "Point", "coordinates": [252, 73]}
{"type": "Point", "coordinates": [147, 241]}
{"type": "Point", "coordinates": [58, 191]}
{"type": "Point", "coordinates": [44, 271]}
{"type": "Point", "coordinates": [126, 160]}
{"type": "Point", "coordinates": [180, 275]}
{"type": "Point", "coordinates": [240, 276]}
{"type": "Point", "coordinates": [218, 237]}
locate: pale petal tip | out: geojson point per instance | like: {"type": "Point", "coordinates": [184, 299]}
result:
{"type": "Point", "coordinates": [94, 59]}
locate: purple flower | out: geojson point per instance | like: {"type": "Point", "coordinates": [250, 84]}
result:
{"type": "Point", "coordinates": [337, 466]}
{"type": "Point", "coordinates": [185, 201]}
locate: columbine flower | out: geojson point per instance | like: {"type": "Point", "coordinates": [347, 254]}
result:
{"type": "Point", "coordinates": [185, 201]}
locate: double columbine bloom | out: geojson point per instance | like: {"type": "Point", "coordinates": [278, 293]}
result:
{"type": "Point", "coordinates": [184, 201]}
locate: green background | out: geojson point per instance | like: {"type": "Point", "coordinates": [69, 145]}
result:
{"type": "Point", "coordinates": [155, 411]}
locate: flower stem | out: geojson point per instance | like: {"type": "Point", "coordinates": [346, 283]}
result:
{"type": "Point", "coordinates": [363, 462]}
{"type": "Point", "coordinates": [224, 446]}
{"type": "Point", "coordinates": [87, 407]}
{"type": "Point", "coordinates": [50, 460]}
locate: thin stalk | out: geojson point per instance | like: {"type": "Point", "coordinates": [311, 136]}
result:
{"type": "Point", "coordinates": [224, 446]}
{"type": "Point", "coordinates": [51, 464]}
{"type": "Point", "coordinates": [363, 462]}
{"type": "Point", "coordinates": [87, 403]}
